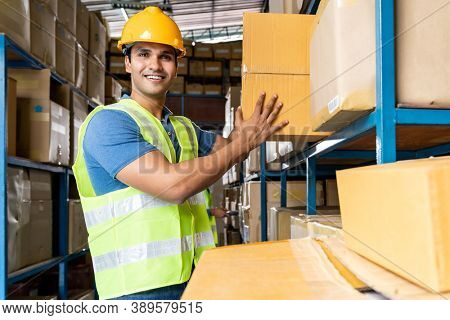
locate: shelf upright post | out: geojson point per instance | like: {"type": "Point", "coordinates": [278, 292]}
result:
{"type": "Point", "coordinates": [63, 187]}
{"type": "Point", "coordinates": [263, 186]}
{"type": "Point", "coordinates": [283, 192]}
{"type": "Point", "coordinates": [311, 185]}
{"type": "Point", "coordinates": [385, 82]}
{"type": "Point", "coordinates": [3, 172]}
{"type": "Point", "coordinates": [182, 105]}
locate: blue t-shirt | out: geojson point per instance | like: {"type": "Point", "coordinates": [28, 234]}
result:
{"type": "Point", "coordinates": [113, 140]}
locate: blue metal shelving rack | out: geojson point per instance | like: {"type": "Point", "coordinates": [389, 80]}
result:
{"type": "Point", "coordinates": [63, 258]}
{"type": "Point", "coordinates": [384, 119]}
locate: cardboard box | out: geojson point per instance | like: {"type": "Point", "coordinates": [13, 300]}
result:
{"type": "Point", "coordinates": [279, 223]}
{"type": "Point", "coordinates": [213, 68]}
{"type": "Point", "coordinates": [291, 262]}
{"type": "Point", "coordinates": [78, 113]}
{"type": "Point", "coordinates": [15, 21]}
{"type": "Point", "coordinates": [52, 5]}
{"type": "Point", "coordinates": [203, 50]}
{"type": "Point", "coordinates": [331, 193]}
{"type": "Point", "coordinates": [213, 89]}
{"type": "Point", "coordinates": [177, 86]}
{"type": "Point", "coordinates": [285, 6]}
{"type": "Point", "coordinates": [67, 10]}
{"type": "Point", "coordinates": [81, 68]}
{"type": "Point", "coordinates": [276, 43]}
{"type": "Point", "coordinates": [343, 63]}
{"type": "Point", "coordinates": [233, 101]}
{"type": "Point", "coordinates": [117, 64]}
{"type": "Point", "coordinates": [29, 233]}
{"type": "Point", "coordinates": [82, 25]}
{"type": "Point", "coordinates": [97, 38]}
{"type": "Point", "coordinates": [65, 53]}
{"type": "Point", "coordinates": [43, 125]}
{"type": "Point", "coordinates": [326, 223]}
{"type": "Point", "coordinates": [78, 235]}
{"type": "Point", "coordinates": [236, 50]}
{"type": "Point", "coordinates": [96, 80]}
{"type": "Point", "coordinates": [113, 89]}
{"type": "Point", "coordinates": [194, 88]}
{"type": "Point", "coordinates": [407, 204]}
{"type": "Point", "coordinates": [188, 46]}
{"type": "Point", "coordinates": [182, 67]}
{"type": "Point", "coordinates": [222, 51]}
{"type": "Point", "coordinates": [12, 116]}
{"type": "Point", "coordinates": [235, 68]}
{"type": "Point", "coordinates": [196, 68]}
{"type": "Point", "coordinates": [113, 46]}
{"type": "Point", "coordinates": [42, 32]}
{"type": "Point", "coordinates": [293, 92]}
{"type": "Point", "coordinates": [40, 185]}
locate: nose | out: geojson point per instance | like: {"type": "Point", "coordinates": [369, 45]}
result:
{"type": "Point", "coordinates": [154, 64]}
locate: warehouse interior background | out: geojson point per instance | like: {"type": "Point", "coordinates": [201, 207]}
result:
{"type": "Point", "coordinates": [355, 190]}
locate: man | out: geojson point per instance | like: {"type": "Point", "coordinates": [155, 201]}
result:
{"type": "Point", "coordinates": [141, 171]}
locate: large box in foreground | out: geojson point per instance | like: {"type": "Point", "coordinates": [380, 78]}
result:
{"type": "Point", "coordinates": [398, 215]}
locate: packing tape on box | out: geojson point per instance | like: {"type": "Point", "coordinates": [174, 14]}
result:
{"type": "Point", "coordinates": [40, 116]}
{"type": "Point", "coordinates": [56, 127]}
{"type": "Point", "coordinates": [42, 186]}
{"type": "Point", "coordinates": [212, 68]}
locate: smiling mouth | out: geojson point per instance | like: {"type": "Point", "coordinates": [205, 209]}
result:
{"type": "Point", "coordinates": [155, 77]}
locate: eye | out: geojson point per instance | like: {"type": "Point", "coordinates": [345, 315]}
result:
{"type": "Point", "coordinates": [166, 57]}
{"type": "Point", "coordinates": [143, 54]}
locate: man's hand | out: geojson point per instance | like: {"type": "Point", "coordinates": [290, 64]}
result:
{"type": "Point", "coordinates": [256, 130]}
{"type": "Point", "coordinates": [218, 212]}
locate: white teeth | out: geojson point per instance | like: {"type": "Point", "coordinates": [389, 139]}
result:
{"type": "Point", "coordinates": [154, 77]}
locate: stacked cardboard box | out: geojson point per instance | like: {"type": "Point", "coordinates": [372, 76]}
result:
{"type": "Point", "coordinates": [15, 21]}
{"type": "Point", "coordinates": [327, 222]}
{"type": "Point", "coordinates": [12, 116]}
{"type": "Point", "coordinates": [276, 60]}
{"type": "Point", "coordinates": [233, 97]}
{"type": "Point", "coordinates": [43, 113]}
{"type": "Point", "coordinates": [113, 90]}
{"type": "Point", "coordinates": [117, 64]}
{"type": "Point", "coordinates": [77, 234]}
{"type": "Point", "coordinates": [42, 32]}
{"type": "Point", "coordinates": [96, 59]}
{"type": "Point", "coordinates": [29, 217]}
{"type": "Point", "coordinates": [177, 85]}
{"type": "Point", "coordinates": [81, 72]}
{"type": "Point", "coordinates": [343, 63]}
{"type": "Point", "coordinates": [78, 113]}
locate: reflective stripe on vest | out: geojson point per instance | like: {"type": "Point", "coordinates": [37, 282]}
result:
{"type": "Point", "coordinates": [203, 239]}
{"type": "Point", "coordinates": [141, 252]}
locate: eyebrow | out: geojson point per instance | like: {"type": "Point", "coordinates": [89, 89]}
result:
{"type": "Point", "coordinates": [149, 50]}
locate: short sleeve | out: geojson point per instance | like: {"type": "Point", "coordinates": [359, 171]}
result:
{"type": "Point", "coordinates": [206, 140]}
{"type": "Point", "coordinates": [113, 140]}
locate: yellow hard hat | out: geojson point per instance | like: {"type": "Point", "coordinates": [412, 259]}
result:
{"type": "Point", "coordinates": [152, 25]}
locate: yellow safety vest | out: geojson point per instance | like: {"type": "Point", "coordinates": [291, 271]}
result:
{"type": "Point", "coordinates": [212, 219]}
{"type": "Point", "coordinates": [137, 241]}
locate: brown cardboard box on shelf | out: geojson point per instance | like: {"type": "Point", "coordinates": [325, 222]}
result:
{"type": "Point", "coordinates": [113, 89]}
{"type": "Point", "coordinates": [276, 43]}
{"type": "Point", "coordinates": [236, 50]}
{"type": "Point", "coordinates": [196, 68]}
{"type": "Point", "coordinates": [203, 50]}
{"type": "Point", "coordinates": [279, 223]}
{"type": "Point", "coordinates": [40, 185]}
{"type": "Point", "coordinates": [213, 68]}
{"type": "Point", "coordinates": [292, 262]}
{"type": "Point", "coordinates": [12, 116]}
{"type": "Point", "coordinates": [81, 68]}
{"type": "Point", "coordinates": [29, 233]}
{"type": "Point", "coordinates": [194, 88]}
{"type": "Point", "coordinates": [285, 6]}
{"type": "Point", "coordinates": [78, 113]}
{"type": "Point", "coordinates": [233, 100]}
{"type": "Point", "coordinates": [343, 63]}
{"type": "Point", "coordinates": [408, 205]}
{"type": "Point", "coordinates": [96, 80]}
{"type": "Point", "coordinates": [67, 10]}
{"type": "Point", "coordinates": [97, 38]}
{"type": "Point", "coordinates": [327, 222]}
{"type": "Point", "coordinates": [222, 51]}
{"type": "Point", "coordinates": [15, 21]}
{"type": "Point", "coordinates": [52, 5]}
{"type": "Point", "coordinates": [113, 46]}
{"type": "Point", "coordinates": [117, 64]}
{"type": "Point", "coordinates": [78, 235]}
{"type": "Point", "coordinates": [177, 85]}
{"type": "Point", "coordinates": [82, 25]}
{"type": "Point", "coordinates": [235, 68]}
{"type": "Point", "coordinates": [43, 125]}
{"type": "Point", "coordinates": [182, 67]}
{"type": "Point", "coordinates": [65, 53]}
{"type": "Point", "coordinates": [188, 46]}
{"type": "Point", "coordinates": [42, 32]}
{"type": "Point", "coordinates": [213, 89]}
{"type": "Point", "coordinates": [331, 193]}
{"type": "Point", "coordinates": [293, 92]}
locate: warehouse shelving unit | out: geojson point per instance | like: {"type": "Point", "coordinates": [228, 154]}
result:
{"type": "Point", "coordinates": [22, 59]}
{"type": "Point", "coordinates": [384, 120]}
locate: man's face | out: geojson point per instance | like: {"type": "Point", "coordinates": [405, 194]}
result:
{"type": "Point", "coordinates": [152, 67]}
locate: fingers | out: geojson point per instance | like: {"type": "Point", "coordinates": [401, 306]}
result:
{"type": "Point", "coordinates": [238, 117]}
{"type": "Point", "coordinates": [273, 115]}
{"type": "Point", "coordinates": [278, 127]}
{"type": "Point", "coordinates": [268, 108]}
{"type": "Point", "coordinates": [259, 105]}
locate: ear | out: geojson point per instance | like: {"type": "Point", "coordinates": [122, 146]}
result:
{"type": "Point", "coordinates": [127, 64]}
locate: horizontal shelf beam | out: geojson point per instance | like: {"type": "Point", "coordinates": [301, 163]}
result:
{"type": "Point", "coordinates": [411, 116]}
{"type": "Point", "coordinates": [21, 162]}
{"type": "Point", "coordinates": [32, 270]}
{"type": "Point", "coordinates": [434, 151]}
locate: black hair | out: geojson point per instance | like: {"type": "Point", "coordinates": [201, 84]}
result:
{"type": "Point", "coordinates": [127, 52]}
